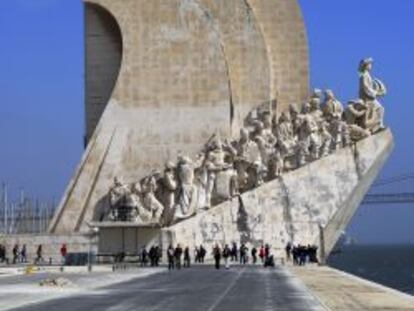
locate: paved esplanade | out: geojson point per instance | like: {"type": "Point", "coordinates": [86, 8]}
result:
{"type": "Point", "coordinates": [198, 288]}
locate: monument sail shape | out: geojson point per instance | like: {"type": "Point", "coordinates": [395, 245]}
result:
{"type": "Point", "coordinates": [200, 130]}
{"type": "Point", "coordinates": [187, 69]}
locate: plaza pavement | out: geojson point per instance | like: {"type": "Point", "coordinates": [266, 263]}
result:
{"type": "Point", "coordinates": [198, 288]}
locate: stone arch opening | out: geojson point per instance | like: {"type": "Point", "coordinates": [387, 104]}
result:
{"type": "Point", "coordinates": [103, 58]}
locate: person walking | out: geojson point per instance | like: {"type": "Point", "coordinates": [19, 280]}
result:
{"type": "Point", "coordinates": [187, 259]}
{"type": "Point", "coordinates": [39, 254]}
{"type": "Point", "coordinates": [23, 254]}
{"type": "Point", "coordinates": [202, 253]}
{"type": "Point", "coordinates": [234, 252]}
{"type": "Point", "coordinates": [177, 254]}
{"type": "Point", "coordinates": [226, 255]}
{"type": "Point", "coordinates": [217, 256]}
{"type": "Point", "coordinates": [267, 251]}
{"type": "Point", "coordinates": [262, 253]}
{"type": "Point", "coordinates": [254, 255]}
{"type": "Point", "coordinates": [158, 255]}
{"type": "Point", "coordinates": [63, 253]}
{"type": "Point", "coordinates": [170, 256]}
{"type": "Point", "coordinates": [243, 254]}
{"type": "Point", "coordinates": [15, 253]}
{"type": "Point", "coordinates": [152, 255]}
{"type": "Point", "coordinates": [288, 250]}
{"type": "Point", "coordinates": [144, 257]}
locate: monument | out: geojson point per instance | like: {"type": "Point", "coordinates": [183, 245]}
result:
{"type": "Point", "coordinates": [201, 129]}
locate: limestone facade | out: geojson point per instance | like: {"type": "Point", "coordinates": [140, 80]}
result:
{"type": "Point", "coordinates": [188, 68]}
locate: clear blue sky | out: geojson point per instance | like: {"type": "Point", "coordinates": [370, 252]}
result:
{"type": "Point", "coordinates": [41, 91]}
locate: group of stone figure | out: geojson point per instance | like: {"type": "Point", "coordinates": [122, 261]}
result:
{"type": "Point", "coordinates": [268, 146]}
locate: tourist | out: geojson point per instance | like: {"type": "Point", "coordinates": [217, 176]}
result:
{"type": "Point", "coordinates": [23, 254]}
{"type": "Point", "coordinates": [262, 253]}
{"type": "Point", "coordinates": [203, 253]}
{"type": "Point", "coordinates": [187, 259]}
{"type": "Point", "coordinates": [15, 253]}
{"type": "Point", "coordinates": [288, 250]}
{"type": "Point", "coordinates": [226, 255]}
{"type": "Point", "coordinates": [2, 253]}
{"type": "Point", "coordinates": [197, 254]}
{"type": "Point", "coordinates": [170, 257]}
{"type": "Point", "coordinates": [234, 252]}
{"type": "Point", "coordinates": [217, 256]}
{"type": "Point", "coordinates": [63, 253]}
{"type": "Point", "coordinates": [177, 255]}
{"type": "Point", "coordinates": [144, 255]}
{"type": "Point", "coordinates": [158, 255]}
{"type": "Point", "coordinates": [267, 251]}
{"type": "Point", "coordinates": [254, 255]}
{"type": "Point", "coordinates": [243, 254]}
{"type": "Point", "coordinates": [39, 254]}
{"type": "Point", "coordinates": [152, 255]}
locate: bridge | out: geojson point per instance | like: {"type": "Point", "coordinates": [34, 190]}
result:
{"type": "Point", "coordinates": [391, 197]}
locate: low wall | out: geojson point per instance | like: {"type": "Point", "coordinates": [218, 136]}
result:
{"type": "Point", "coordinates": [51, 245]}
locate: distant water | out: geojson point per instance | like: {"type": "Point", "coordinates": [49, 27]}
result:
{"type": "Point", "coordinates": [389, 265]}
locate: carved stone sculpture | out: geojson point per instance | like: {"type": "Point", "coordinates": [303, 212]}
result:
{"type": "Point", "coordinates": [370, 90]}
{"type": "Point", "coordinates": [169, 185]}
{"type": "Point", "coordinates": [117, 198]}
{"type": "Point", "coordinates": [150, 201]}
{"type": "Point", "coordinates": [332, 108]}
{"type": "Point", "coordinates": [264, 151]}
{"type": "Point", "coordinates": [186, 199]}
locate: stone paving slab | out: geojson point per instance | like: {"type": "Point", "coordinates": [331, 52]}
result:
{"type": "Point", "coordinates": [22, 290]}
{"type": "Point", "coordinates": [340, 291]}
{"type": "Point", "coordinates": [201, 288]}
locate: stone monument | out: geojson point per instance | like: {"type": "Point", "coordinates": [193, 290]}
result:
{"type": "Point", "coordinates": [201, 129]}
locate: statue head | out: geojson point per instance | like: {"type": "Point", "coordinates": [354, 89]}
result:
{"type": "Point", "coordinates": [285, 117]}
{"type": "Point", "coordinates": [244, 134]}
{"type": "Point", "coordinates": [136, 188]}
{"type": "Point", "coordinates": [329, 95]}
{"type": "Point", "coordinates": [365, 64]}
{"type": "Point", "coordinates": [267, 120]}
{"type": "Point", "coordinates": [306, 108]}
{"type": "Point", "coordinates": [117, 181]}
{"type": "Point", "coordinates": [258, 127]}
{"type": "Point", "coordinates": [293, 109]}
{"type": "Point", "coordinates": [316, 93]}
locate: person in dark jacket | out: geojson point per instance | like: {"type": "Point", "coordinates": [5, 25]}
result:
{"type": "Point", "coordinates": [226, 255]}
{"type": "Point", "coordinates": [177, 255]}
{"type": "Point", "coordinates": [217, 256]}
{"type": "Point", "coordinates": [187, 259]}
{"type": "Point", "coordinates": [15, 253]}
{"type": "Point", "coordinates": [254, 255]}
{"type": "Point", "coordinates": [170, 256]}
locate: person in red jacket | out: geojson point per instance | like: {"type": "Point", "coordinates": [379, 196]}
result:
{"type": "Point", "coordinates": [63, 253]}
{"type": "Point", "coordinates": [262, 253]}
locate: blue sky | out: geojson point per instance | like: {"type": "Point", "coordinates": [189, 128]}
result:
{"type": "Point", "coordinates": [41, 91]}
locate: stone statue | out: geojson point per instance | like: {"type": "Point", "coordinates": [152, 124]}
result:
{"type": "Point", "coordinates": [169, 185]}
{"type": "Point", "coordinates": [247, 160]}
{"type": "Point", "coordinates": [117, 198]}
{"type": "Point", "coordinates": [355, 116]}
{"type": "Point", "coordinates": [326, 139]}
{"type": "Point", "coordinates": [150, 201]}
{"type": "Point", "coordinates": [332, 108]}
{"type": "Point", "coordinates": [139, 213]}
{"type": "Point", "coordinates": [369, 91]}
{"type": "Point", "coordinates": [286, 138]}
{"type": "Point", "coordinates": [315, 106]}
{"type": "Point", "coordinates": [186, 199]}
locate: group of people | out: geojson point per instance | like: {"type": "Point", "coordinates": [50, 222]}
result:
{"type": "Point", "coordinates": [301, 254]}
{"type": "Point", "coordinates": [152, 257]}
{"type": "Point", "coordinates": [268, 146]}
{"type": "Point", "coordinates": [20, 255]}
{"type": "Point", "coordinates": [241, 255]}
